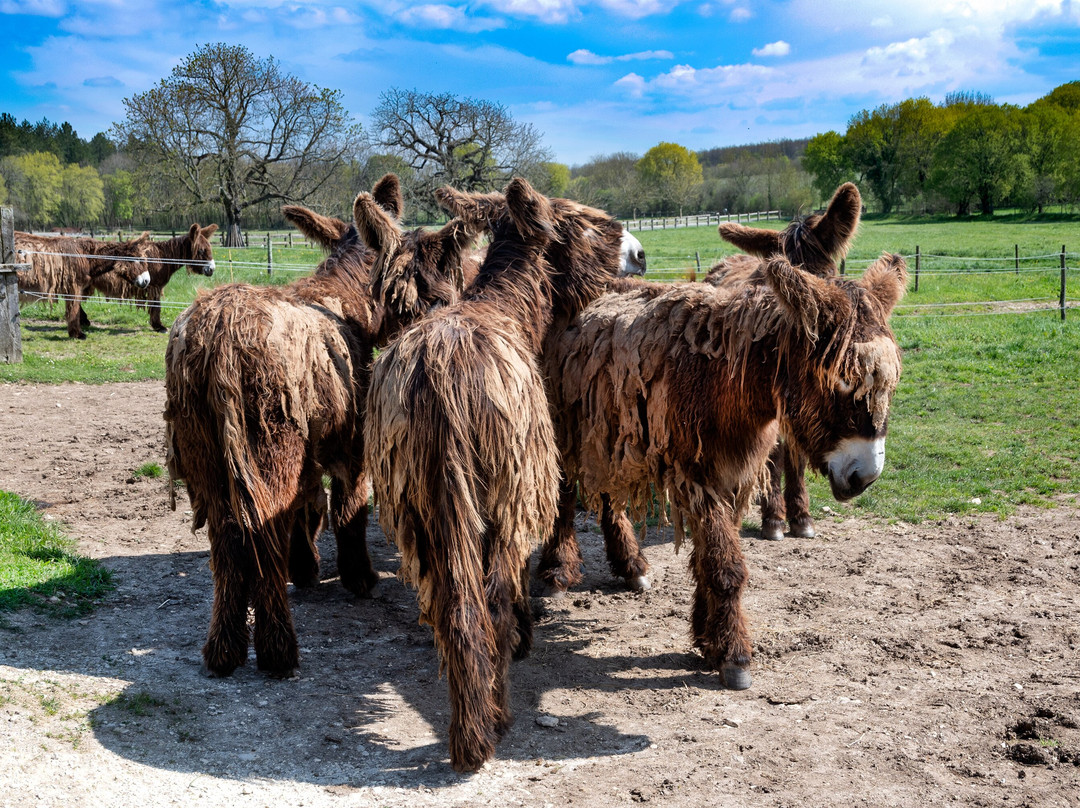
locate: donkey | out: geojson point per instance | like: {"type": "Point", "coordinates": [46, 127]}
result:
{"type": "Point", "coordinates": [265, 390]}
{"type": "Point", "coordinates": [815, 244]}
{"type": "Point", "coordinates": [460, 445]}
{"type": "Point", "coordinates": [681, 391]}
{"type": "Point", "coordinates": [164, 259]}
{"type": "Point", "coordinates": [63, 267]}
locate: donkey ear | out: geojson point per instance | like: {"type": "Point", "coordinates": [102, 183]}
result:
{"type": "Point", "coordinates": [886, 280]}
{"type": "Point", "coordinates": [530, 210]}
{"type": "Point", "coordinates": [458, 238]}
{"type": "Point", "coordinates": [476, 210]}
{"type": "Point", "coordinates": [800, 293]}
{"type": "Point", "coordinates": [376, 226]}
{"type": "Point", "coordinates": [193, 231]}
{"type": "Point", "coordinates": [754, 240]}
{"type": "Point", "coordinates": [387, 194]}
{"type": "Point", "coordinates": [324, 230]}
{"type": "Point", "coordinates": [209, 230]}
{"type": "Point", "coordinates": [837, 225]}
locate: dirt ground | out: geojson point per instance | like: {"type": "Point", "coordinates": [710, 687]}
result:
{"type": "Point", "coordinates": [895, 665]}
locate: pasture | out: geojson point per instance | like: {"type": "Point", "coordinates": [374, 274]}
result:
{"type": "Point", "coordinates": [921, 650]}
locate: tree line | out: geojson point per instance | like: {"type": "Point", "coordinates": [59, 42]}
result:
{"type": "Point", "coordinates": [229, 137]}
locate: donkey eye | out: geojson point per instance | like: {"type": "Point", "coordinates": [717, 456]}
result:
{"type": "Point", "coordinates": [845, 386]}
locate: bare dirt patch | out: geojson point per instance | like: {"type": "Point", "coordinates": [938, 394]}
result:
{"type": "Point", "coordinates": [895, 664]}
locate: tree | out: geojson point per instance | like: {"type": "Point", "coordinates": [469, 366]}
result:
{"type": "Point", "coordinates": [470, 144]}
{"type": "Point", "coordinates": [82, 196]}
{"type": "Point", "coordinates": [119, 196]}
{"type": "Point", "coordinates": [671, 174]}
{"type": "Point", "coordinates": [610, 182]}
{"type": "Point", "coordinates": [826, 161]}
{"type": "Point", "coordinates": [870, 145]}
{"type": "Point", "coordinates": [552, 178]}
{"type": "Point", "coordinates": [231, 128]}
{"type": "Point", "coordinates": [33, 182]}
{"type": "Point", "coordinates": [980, 158]}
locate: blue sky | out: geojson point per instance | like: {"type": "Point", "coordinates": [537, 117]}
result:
{"type": "Point", "coordinates": [593, 77]}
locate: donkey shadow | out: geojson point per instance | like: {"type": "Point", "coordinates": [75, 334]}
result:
{"type": "Point", "coordinates": [367, 707]}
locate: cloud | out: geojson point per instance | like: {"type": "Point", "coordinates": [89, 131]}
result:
{"type": "Point", "coordinates": [33, 8]}
{"type": "Point", "coordinates": [740, 14]}
{"type": "Point", "coordinates": [561, 11]}
{"type": "Point", "coordinates": [444, 17]}
{"type": "Point", "coordinates": [778, 48]}
{"type": "Point", "coordinates": [633, 84]}
{"type": "Point", "coordinates": [103, 81]}
{"type": "Point", "coordinates": [586, 57]}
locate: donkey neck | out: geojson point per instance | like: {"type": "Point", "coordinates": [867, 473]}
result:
{"type": "Point", "coordinates": [518, 282]}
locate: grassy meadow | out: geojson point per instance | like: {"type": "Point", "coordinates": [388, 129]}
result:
{"type": "Point", "coordinates": [988, 409]}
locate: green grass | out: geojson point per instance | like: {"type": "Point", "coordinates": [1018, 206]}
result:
{"type": "Point", "coordinates": [38, 567]}
{"type": "Point", "coordinates": [149, 471]}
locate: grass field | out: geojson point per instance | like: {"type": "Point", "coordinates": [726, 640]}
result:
{"type": "Point", "coordinates": [987, 410]}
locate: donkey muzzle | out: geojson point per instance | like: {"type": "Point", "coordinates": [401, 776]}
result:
{"type": "Point", "coordinates": [208, 268]}
{"type": "Point", "coordinates": [143, 279]}
{"type": "Point", "coordinates": [853, 465]}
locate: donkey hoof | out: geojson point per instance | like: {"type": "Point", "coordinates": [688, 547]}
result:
{"type": "Point", "coordinates": [735, 678]}
{"type": "Point", "coordinates": [639, 583]}
{"type": "Point", "coordinates": [772, 530]}
{"type": "Point", "coordinates": [803, 529]}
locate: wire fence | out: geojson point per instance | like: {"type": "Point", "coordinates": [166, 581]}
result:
{"type": "Point", "coordinates": [1057, 268]}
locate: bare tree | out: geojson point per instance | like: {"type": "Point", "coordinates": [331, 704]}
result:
{"type": "Point", "coordinates": [470, 144]}
{"type": "Point", "coordinates": [234, 129]}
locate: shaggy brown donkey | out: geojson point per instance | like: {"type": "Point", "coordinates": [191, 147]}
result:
{"type": "Point", "coordinates": [815, 244]}
{"type": "Point", "coordinates": [164, 259]}
{"type": "Point", "coordinates": [265, 390]}
{"type": "Point", "coordinates": [63, 267]}
{"type": "Point", "coordinates": [679, 391]}
{"type": "Point", "coordinates": [460, 445]}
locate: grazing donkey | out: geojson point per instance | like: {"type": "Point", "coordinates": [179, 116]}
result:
{"type": "Point", "coordinates": [460, 445]}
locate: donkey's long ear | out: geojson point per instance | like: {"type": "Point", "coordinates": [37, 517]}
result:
{"type": "Point", "coordinates": [387, 194]}
{"type": "Point", "coordinates": [458, 239]}
{"type": "Point", "coordinates": [476, 210]}
{"type": "Point", "coordinates": [324, 230]}
{"type": "Point", "coordinates": [837, 225]}
{"type": "Point", "coordinates": [531, 211]}
{"type": "Point", "coordinates": [803, 296]}
{"type": "Point", "coordinates": [209, 230]}
{"type": "Point", "coordinates": [376, 226]}
{"type": "Point", "coordinates": [754, 240]}
{"type": "Point", "coordinates": [193, 231]}
{"type": "Point", "coordinates": [886, 280]}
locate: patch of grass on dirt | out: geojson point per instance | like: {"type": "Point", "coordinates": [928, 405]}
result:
{"type": "Point", "coordinates": [38, 567]}
{"type": "Point", "coordinates": [149, 471]}
{"type": "Point", "coordinates": [140, 704]}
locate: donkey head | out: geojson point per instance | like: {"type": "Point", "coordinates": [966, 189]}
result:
{"type": "Point", "coordinates": [631, 255]}
{"type": "Point", "coordinates": [842, 367]}
{"type": "Point", "coordinates": [139, 248]}
{"type": "Point", "coordinates": [413, 270]}
{"type": "Point", "coordinates": [201, 255]}
{"type": "Point", "coordinates": [814, 243]}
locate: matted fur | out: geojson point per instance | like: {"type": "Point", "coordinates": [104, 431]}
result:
{"type": "Point", "coordinates": [265, 392]}
{"type": "Point", "coordinates": [65, 267]}
{"type": "Point", "coordinates": [460, 444]}
{"type": "Point", "coordinates": [680, 389]}
{"type": "Point", "coordinates": [164, 258]}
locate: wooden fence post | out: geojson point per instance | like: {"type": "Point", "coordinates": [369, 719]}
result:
{"type": "Point", "coordinates": [1016, 253]}
{"type": "Point", "coordinates": [269, 255]}
{"type": "Point", "coordinates": [918, 258]}
{"type": "Point", "coordinates": [1062, 298]}
{"type": "Point", "coordinates": [10, 333]}
{"type": "Point", "coordinates": [697, 260]}
{"type": "Point", "coordinates": [843, 267]}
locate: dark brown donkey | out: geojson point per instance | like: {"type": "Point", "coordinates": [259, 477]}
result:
{"type": "Point", "coordinates": [265, 390]}
{"type": "Point", "coordinates": [679, 391]}
{"type": "Point", "coordinates": [460, 446]}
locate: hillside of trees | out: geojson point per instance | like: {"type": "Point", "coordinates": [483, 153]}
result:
{"type": "Point", "coordinates": [964, 155]}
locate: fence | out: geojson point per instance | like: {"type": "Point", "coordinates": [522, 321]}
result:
{"type": "Point", "coordinates": [10, 333]}
{"type": "Point", "coordinates": [699, 220]}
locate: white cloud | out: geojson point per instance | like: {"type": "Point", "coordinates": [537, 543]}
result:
{"type": "Point", "coordinates": [33, 8]}
{"type": "Point", "coordinates": [778, 48]}
{"type": "Point", "coordinates": [561, 11]}
{"type": "Point", "coordinates": [632, 84]}
{"type": "Point", "coordinates": [740, 14]}
{"type": "Point", "coordinates": [587, 57]}
{"type": "Point", "coordinates": [444, 17]}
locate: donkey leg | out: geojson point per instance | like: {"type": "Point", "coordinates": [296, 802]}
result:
{"type": "Point", "coordinates": [276, 649]}
{"type": "Point", "coordinates": [348, 516]}
{"type": "Point", "coordinates": [303, 550]}
{"type": "Point", "coordinates": [154, 307]}
{"type": "Point", "coordinates": [772, 500]}
{"type": "Point", "coordinates": [72, 315]}
{"type": "Point", "coordinates": [227, 640]}
{"type": "Point", "coordinates": [523, 613]}
{"type": "Point", "coordinates": [560, 559]}
{"type": "Point", "coordinates": [623, 552]}
{"type": "Point", "coordinates": [503, 608]}
{"type": "Point", "coordinates": [718, 620]}
{"type": "Point", "coordinates": [795, 494]}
